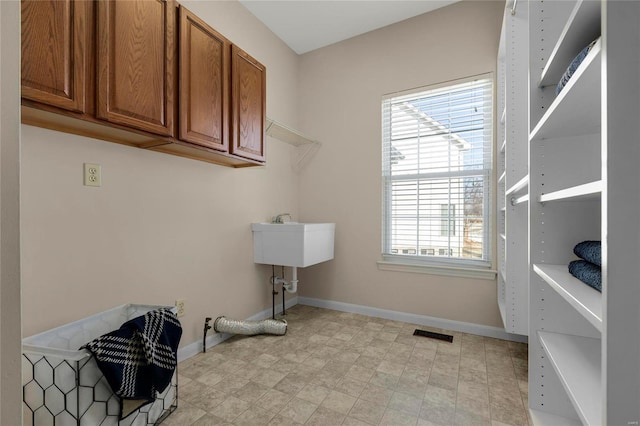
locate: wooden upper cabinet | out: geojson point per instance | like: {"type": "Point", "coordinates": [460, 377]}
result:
{"type": "Point", "coordinates": [248, 105]}
{"type": "Point", "coordinates": [136, 64]}
{"type": "Point", "coordinates": [204, 69]}
{"type": "Point", "coordinates": [56, 37]}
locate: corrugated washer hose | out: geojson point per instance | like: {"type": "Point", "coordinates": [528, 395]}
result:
{"type": "Point", "coordinates": [250, 328]}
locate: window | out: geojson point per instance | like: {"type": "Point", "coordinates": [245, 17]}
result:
{"type": "Point", "coordinates": [436, 172]}
{"type": "Point", "coordinates": [448, 221]}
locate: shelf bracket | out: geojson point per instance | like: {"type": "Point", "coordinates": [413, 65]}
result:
{"type": "Point", "coordinates": [303, 154]}
{"type": "Point", "coordinates": [305, 146]}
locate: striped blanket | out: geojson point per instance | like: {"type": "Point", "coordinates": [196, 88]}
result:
{"type": "Point", "coordinates": [138, 359]}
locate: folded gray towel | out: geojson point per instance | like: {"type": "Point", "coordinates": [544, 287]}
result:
{"type": "Point", "coordinates": [587, 272]}
{"type": "Point", "coordinates": [591, 251]}
{"type": "Point", "coordinates": [573, 66]}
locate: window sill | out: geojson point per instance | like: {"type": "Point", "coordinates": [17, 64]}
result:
{"type": "Point", "coordinates": [450, 271]}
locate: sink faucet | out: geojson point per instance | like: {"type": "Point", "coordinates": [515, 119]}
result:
{"type": "Point", "coordinates": [279, 218]}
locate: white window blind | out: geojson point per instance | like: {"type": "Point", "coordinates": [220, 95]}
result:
{"type": "Point", "coordinates": [436, 170]}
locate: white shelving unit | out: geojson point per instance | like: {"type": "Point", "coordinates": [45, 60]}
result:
{"type": "Point", "coordinates": [576, 361]}
{"type": "Point", "coordinates": [518, 186]}
{"type": "Point", "coordinates": [584, 184]}
{"type": "Point", "coordinates": [501, 209]}
{"type": "Point", "coordinates": [513, 192]}
{"type": "Point", "coordinates": [584, 299]}
{"type": "Point", "coordinates": [305, 146]}
{"type": "Point", "coordinates": [586, 191]}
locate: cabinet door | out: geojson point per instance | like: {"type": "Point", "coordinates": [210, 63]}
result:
{"type": "Point", "coordinates": [55, 59]}
{"type": "Point", "coordinates": [248, 105]}
{"type": "Point", "coordinates": [204, 83]}
{"type": "Point", "coordinates": [136, 61]}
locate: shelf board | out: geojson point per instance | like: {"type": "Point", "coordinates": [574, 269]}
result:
{"type": "Point", "coordinates": [503, 146]}
{"type": "Point", "coordinates": [587, 191]}
{"type": "Point", "coordinates": [582, 27]}
{"type": "Point", "coordinates": [503, 311]}
{"type": "Point", "coordinates": [522, 183]}
{"type": "Point", "coordinates": [542, 418]}
{"type": "Point", "coordinates": [504, 115]}
{"type": "Point", "coordinates": [575, 111]}
{"type": "Point", "coordinates": [584, 299]}
{"type": "Point", "coordinates": [503, 236]}
{"type": "Point", "coordinates": [287, 134]}
{"type": "Point", "coordinates": [502, 176]}
{"type": "Point", "coordinates": [576, 360]}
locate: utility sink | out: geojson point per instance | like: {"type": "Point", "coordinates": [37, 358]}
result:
{"type": "Point", "coordinates": [292, 244]}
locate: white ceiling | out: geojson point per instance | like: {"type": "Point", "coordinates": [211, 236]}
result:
{"type": "Point", "coordinates": [306, 25]}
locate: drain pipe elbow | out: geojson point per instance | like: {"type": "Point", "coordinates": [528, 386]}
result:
{"type": "Point", "coordinates": [292, 286]}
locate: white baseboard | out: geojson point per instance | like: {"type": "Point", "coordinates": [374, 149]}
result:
{"type": "Point", "coordinates": [464, 327]}
{"type": "Point", "coordinates": [214, 338]}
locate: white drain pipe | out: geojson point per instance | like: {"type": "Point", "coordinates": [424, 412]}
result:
{"type": "Point", "coordinates": [292, 286]}
{"type": "Point", "coordinates": [289, 286]}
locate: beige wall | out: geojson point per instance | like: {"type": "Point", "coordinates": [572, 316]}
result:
{"type": "Point", "coordinates": [161, 227]}
{"type": "Point", "coordinates": [340, 92]}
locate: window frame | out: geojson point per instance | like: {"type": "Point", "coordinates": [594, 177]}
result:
{"type": "Point", "coordinates": [448, 221]}
{"type": "Point", "coordinates": [432, 264]}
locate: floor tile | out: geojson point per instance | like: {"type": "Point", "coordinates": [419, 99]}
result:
{"type": "Point", "coordinates": [201, 396]}
{"type": "Point", "coordinates": [274, 400]}
{"type": "Point", "coordinates": [292, 383]}
{"type": "Point", "coordinates": [465, 418]}
{"type": "Point", "coordinates": [251, 392]}
{"type": "Point", "coordinates": [268, 378]}
{"type": "Point", "coordinates": [366, 411]}
{"type": "Point", "coordinates": [229, 383]}
{"type": "Point", "coordinates": [473, 390]}
{"type": "Point", "coordinates": [350, 386]}
{"type": "Point", "coordinates": [385, 380]}
{"type": "Point", "coordinates": [185, 414]}
{"type": "Point", "coordinates": [471, 405]}
{"type": "Point", "coordinates": [230, 408]}
{"type": "Point", "coordinates": [313, 393]}
{"type": "Point", "coordinates": [279, 420]}
{"type": "Point", "coordinates": [335, 368]}
{"type": "Point", "coordinates": [438, 405]}
{"type": "Point", "coordinates": [339, 402]}
{"type": "Point", "coordinates": [406, 403]}
{"type": "Point", "coordinates": [390, 367]}
{"type": "Point", "coordinates": [325, 417]}
{"type": "Point", "coordinates": [413, 385]}
{"type": "Point", "coordinates": [254, 416]}
{"type": "Point", "coordinates": [209, 420]}
{"type": "Point", "coordinates": [376, 394]}
{"type": "Point", "coordinates": [360, 373]}
{"type": "Point", "coordinates": [298, 410]}
{"type": "Point", "coordinates": [393, 417]}
{"type": "Point", "coordinates": [444, 381]}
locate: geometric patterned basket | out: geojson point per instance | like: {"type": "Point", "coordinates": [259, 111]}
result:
{"type": "Point", "coordinates": [64, 386]}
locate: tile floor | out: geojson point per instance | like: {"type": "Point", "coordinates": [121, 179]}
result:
{"type": "Point", "coordinates": [337, 368]}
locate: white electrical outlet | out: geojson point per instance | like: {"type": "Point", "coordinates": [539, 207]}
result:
{"type": "Point", "coordinates": [92, 175]}
{"type": "Point", "coordinates": [180, 305]}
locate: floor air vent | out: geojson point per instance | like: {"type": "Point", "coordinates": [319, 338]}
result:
{"type": "Point", "coordinates": [433, 335]}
